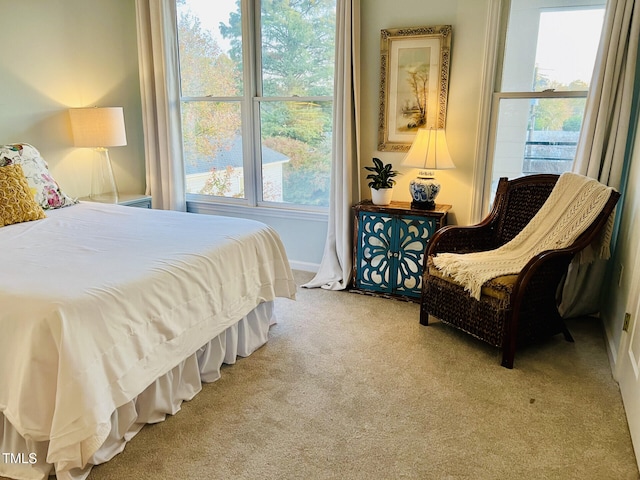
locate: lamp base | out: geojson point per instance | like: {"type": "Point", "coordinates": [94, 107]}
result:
{"type": "Point", "coordinates": [103, 183]}
{"type": "Point", "coordinates": [423, 192]}
{"type": "Point", "coordinates": [423, 205]}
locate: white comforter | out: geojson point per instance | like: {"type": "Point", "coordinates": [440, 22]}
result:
{"type": "Point", "coordinates": [97, 301]}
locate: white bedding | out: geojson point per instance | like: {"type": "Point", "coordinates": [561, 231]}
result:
{"type": "Point", "coordinates": [97, 301]}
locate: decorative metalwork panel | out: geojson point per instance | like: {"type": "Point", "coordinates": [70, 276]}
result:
{"type": "Point", "coordinates": [413, 234]}
{"type": "Point", "coordinates": [375, 261]}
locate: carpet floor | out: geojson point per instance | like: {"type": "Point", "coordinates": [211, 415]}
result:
{"type": "Point", "coordinates": [352, 387]}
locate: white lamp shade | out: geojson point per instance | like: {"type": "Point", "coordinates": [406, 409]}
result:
{"type": "Point", "coordinates": [429, 151]}
{"type": "Point", "coordinates": [98, 127]}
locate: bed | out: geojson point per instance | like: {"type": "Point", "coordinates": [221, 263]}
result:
{"type": "Point", "coordinates": [112, 316]}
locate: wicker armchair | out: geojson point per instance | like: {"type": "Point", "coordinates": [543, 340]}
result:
{"type": "Point", "coordinates": [513, 310]}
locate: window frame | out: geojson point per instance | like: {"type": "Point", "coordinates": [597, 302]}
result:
{"type": "Point", "coordinates": [493, 132]}
{"type": "Point", "coordinates": [498, 22]}
{"type": "Point", "coordinates": [250, 103]}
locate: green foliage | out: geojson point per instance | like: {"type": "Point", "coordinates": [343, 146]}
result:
{"type": "Point", "coordinates": [204, 69]}
{"type": "Point", "coordinates": [552, 113]}
{"type": "Point", "coordinates": [308, 122]}
{"type": "Point", "coordinates": [297, 46]}
{"type": "Point", "coordinates": [382, 176]}
{"type": "Point", "coordinates": [208, 127]}
{"type": "Point", "coordinates": [297, 54]}
{"type": "Point", "coordinates": [572, 124]}
{"type": "Point", "coordinates": [558, 113]}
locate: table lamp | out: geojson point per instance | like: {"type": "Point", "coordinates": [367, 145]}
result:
{"type": "Point", "coordinates": [99, 128]}
{"type": "Point", "coordinates": [428, 152]}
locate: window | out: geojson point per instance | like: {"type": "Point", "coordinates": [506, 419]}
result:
{"type": "Point", "coordinates": [257, 98]}
{"type": "Point", "coordinates": [550, 48]}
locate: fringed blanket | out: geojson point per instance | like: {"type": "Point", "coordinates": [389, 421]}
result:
{"type": "Point", "coordinates": [574, 203]}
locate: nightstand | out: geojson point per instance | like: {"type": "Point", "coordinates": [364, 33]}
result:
{"type": "Point", "coordinates": [389, 246]}
{"type": "Point", "coordinates": [128, 199]}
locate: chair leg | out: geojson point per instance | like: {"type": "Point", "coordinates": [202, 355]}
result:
{"type": "Point", "coordinates": [507, 358]}
{"type": "Point", "coordinates": [509, 351]}
{"type": "Point", "coordinates": [509, 342]}
{"type": "Point", "coordinates": [567, 334]}
{"type": "Point", "coordinates": [424, 316]}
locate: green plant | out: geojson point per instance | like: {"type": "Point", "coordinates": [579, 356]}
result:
{"type": "Point", "coordinates": [382, 176]}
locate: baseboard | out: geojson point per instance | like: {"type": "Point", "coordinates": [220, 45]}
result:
{"type": "Point", "coordinates": [304, 266]}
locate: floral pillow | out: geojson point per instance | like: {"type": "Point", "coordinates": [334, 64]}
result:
{"type": "Point", "coordinates": [46, 190]}
{"type": "Point", "coordinates": [16, 199]}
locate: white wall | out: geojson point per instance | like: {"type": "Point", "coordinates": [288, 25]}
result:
{"type": "Point", "coordinates": [617, 291]}
{"type": "Point", "coordinates": [303, 234]}
{"type": "Point", "coordinates": [468, 19]}
{"type": "Point", "coordinates": [58, 54]}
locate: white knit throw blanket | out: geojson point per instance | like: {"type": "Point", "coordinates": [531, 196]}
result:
{"type": "Point", "coordinates": [572, 206]}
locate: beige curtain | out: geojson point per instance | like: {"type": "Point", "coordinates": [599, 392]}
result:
{"type": "Point", "coordinates": [335, 267]}
{"type": "Point", "coordinates": [159, 86]}
{"type": "Point", "coordinates": [603, 138]}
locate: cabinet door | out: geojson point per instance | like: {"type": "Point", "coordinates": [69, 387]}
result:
{"type": "Point", "coordinates": [375, 262]}
{"type": "Point", "coordinates": [413, 234]}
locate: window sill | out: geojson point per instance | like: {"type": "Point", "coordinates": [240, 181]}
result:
{"type": "Point", "coordinates": [211, 208]}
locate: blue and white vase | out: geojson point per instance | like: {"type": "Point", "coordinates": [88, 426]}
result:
{"type": "Point", "coordinates": [424, 191]}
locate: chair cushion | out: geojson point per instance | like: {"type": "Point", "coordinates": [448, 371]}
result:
{"type": "Point", "coordinates": [499, 287]}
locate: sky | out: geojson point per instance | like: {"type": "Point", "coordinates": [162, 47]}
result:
{"type": "Point", "coordinates": [211, 13]}
{"type": "Point", "coordinates": [578, 32]}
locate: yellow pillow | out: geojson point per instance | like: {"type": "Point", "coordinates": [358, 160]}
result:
{"type": "Point", "coordinates": [17, 203]}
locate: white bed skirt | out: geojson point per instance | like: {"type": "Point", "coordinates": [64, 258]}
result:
{"type": "Point", "coordinates": [26, 459]}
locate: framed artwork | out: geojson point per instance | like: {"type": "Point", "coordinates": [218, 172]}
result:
{"type": "Point", "coordinates": [414, 83]}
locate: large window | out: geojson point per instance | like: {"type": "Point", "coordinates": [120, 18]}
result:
{"type": "Point", "coordinates": [257, 96]}
{"type": "Point", "coordinates": [550, 48]}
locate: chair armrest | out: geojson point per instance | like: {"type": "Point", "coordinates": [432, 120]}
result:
{"type": "Point", "coordinates": [550, 264]}
{"type": "Point", "coordinates": [563, 256]}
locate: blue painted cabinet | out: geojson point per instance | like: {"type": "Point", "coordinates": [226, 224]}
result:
{"type": "Point", "coordinates": [389, 247]}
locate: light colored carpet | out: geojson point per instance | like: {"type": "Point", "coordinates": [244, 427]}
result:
{"type": "Point", "coordinates": [352, 387]}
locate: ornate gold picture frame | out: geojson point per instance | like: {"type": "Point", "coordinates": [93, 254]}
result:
{"type": "Point", "coordinates": [414, 83]}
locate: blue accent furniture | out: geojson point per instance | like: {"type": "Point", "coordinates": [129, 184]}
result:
{"type": "Point", "coordinates": [389, 247]}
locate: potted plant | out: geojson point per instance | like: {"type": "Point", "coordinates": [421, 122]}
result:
{"type": "Point", "coordinates": [381, 182]}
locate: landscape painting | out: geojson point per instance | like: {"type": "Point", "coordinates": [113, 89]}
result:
{"type": "Point", "coordinates": [414, 83]}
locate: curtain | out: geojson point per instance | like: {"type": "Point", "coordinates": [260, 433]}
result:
{"type": "Point", "coordinates": [335, 268]}
{"type": "Point", "coordinates": [603, 138]}
{"type": "Point", "coordinates": [159, 88]}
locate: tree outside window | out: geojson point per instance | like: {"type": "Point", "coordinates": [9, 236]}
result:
{"type": "Point", "coordinates": [290, 105]}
